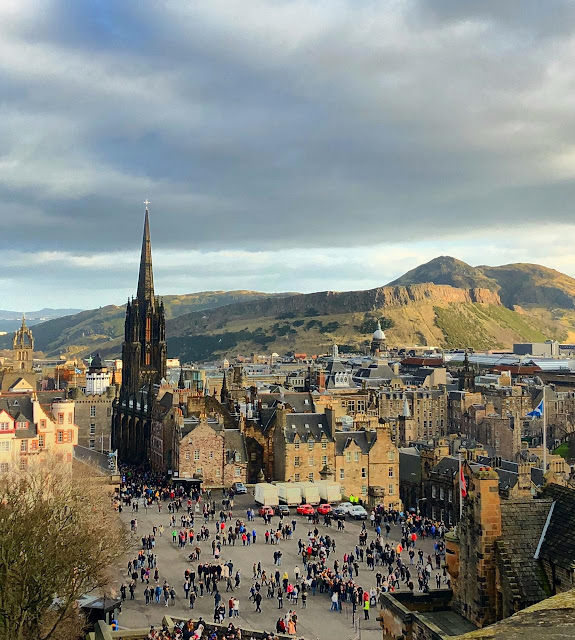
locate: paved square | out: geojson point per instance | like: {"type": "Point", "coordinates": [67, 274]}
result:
{"type": "Point", "coordinates": [315, 621]}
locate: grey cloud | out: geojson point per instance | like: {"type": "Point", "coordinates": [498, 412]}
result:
{"type": "Point", "coordinates": [281, 125]}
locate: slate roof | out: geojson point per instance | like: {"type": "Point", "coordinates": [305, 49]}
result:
{"type": "Point", "coordinates": [18, 405]}
{"type": "Point", "coordinates": [235, 441]}
{"type": "Point", "coordinates": [364, 440]}
{"type": "Point", "coordinates": [410, 465]}
{"type": "Point", "coordinates": [447, 465]}
{"type": "Point", "coordinates": [307, 426]}
{"type": "Point", "coordinates": [301, 402]}
{"type": "Point", "coordinates": [522, 522]}
{"type": "Point", "coordinates": [559, 542]}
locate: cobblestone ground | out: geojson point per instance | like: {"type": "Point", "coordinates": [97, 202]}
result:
{"type": "Point", "coordinates": [316, 621]}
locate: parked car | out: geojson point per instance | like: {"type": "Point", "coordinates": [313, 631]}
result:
{"type": "Point", "coordinates": [358, 512]}
{"type": "Point", "coordinates": [305, 510]}
{"type": "Point", "coordinates": [345, 506]}
{"type": "Point", "coordinates": [266, 510]}
{"type": "Point", "coordinates": [339, 513]}
{"type": "Point", "coordinates": [324, 508]}
{"type": "Point", "coordinates": [239, 487]}
{"type": "Point", "coordinates": [282, 508]}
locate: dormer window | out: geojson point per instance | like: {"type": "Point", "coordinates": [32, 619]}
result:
{"type": "Point", "coordinates": [21, 425]}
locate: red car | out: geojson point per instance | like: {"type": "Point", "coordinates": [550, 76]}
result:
{"type": "Point", "coordinates": [266, 511]}
{"type": "Point", "coordinates": [306, 510]}
{"type": "Point", "coordinates": [324, 509]}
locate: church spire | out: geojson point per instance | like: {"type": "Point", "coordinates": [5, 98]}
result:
{"type": "Point", "coordinates": [146, 278]}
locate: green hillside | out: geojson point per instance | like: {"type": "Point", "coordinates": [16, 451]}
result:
{"type": "Point", "coordinates": [444, 303]}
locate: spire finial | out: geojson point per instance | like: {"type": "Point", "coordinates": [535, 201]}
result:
{"type": "Point", "coordinates": [147, 202]}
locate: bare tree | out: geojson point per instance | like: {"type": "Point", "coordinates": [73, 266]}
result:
{"type": "Point", "coordinates": [58, 536]}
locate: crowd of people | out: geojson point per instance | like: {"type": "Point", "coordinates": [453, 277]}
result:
{"type": "Point", "coordinates": [323, 573]}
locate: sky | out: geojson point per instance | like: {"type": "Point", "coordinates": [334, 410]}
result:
{"type": "Point", "coordinates": [285, 145]}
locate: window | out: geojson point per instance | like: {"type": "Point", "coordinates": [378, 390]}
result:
{"type": "Point", "coordinates": [348, 456]}
{"type": "Point", "coordinates": [70, 435]}
{"type": "Point", "coordinates": [217, 473]}
{"type": "Point", "coordinates": [68, 457]}
{"type": "Point", "coordinates": [296, 461]}
{"type": "Point", "coordinates": [310, 476]}
{"type": "Point", "coordinates": [450, 495]}
{"type": "Point", "coordinates": [199, 470]}
{"type": "Point", "coordinates": [311, 461]}
{"type": "Point", "coordinates": [93, 411]}
{"type": "Point", "coordinates": [23, 463]}
{"type": "Point", "coordinates": [341, 474]}
{"type": "Point", "coordinates": [92, 444]}
{"type": "Point", "coordinates": [196, 454]}
{"type": "Point", "coordinates": [364, 490]}
{"type": "Point", "coordinates": [363, 472]}
{"type": "Point", "coordinates": [296, 477]}
{"type": "Point", "coordinates": [390, 472]}
{"type": "Point", "coordinates": [441, 494]}
{"type": "Point", "coordinates": [41, 442]}
{"type": "Point", "coordinates": [4, 426]}
{"type": "Point", "coordinates": [390, 490]}
{"type": "Point", "coordinates": [296, 446]}
{"type": "Point", "coordinates": [187, 456]}
{"type": "Point", "coordinates": [24, 445]}
{"type": "Point", "coordinates": [237, 472]}
{"type": "Point", "coordinates": [391, 455]}
{"type": "Point", "coordinates": [5, 446]}
{"type": "Point", "coordinates": [22, 425]}
{"type": "Point", "coordinates": [4, 467]}
{"type": "Point", "coordinates": [356, 456]}
{"type": "Point", "coordinates": [70, 418]}
{"type": "Point", "coordinates": [310, 444]}
{"type": "Point", "coordinates": [34, 445]}
{"type": "Point", "coordinates": [324, 461]}
{"type": "Point", "coordinates": [324, 445]}
{"type": "Point", "coordinates": [42, 424]}
{"type": "Point", "coordinates": [60, 418]}
{"type": "Point", "coordinates": [433, 491]}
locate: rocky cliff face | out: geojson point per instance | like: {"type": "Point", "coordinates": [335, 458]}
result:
{"type": "Point", "coordinates": [332, 302]}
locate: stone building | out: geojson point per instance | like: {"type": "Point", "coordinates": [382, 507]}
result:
{"type": "Point", "coordinates": [509, 554]}
{"type": "Point", "coordinates": [93, 415]}
{"type": "Point", "coordinates": [20, 378]}
{"type": "Point", "coordinates": [367, 465]}
{"type": "Point", "coordinates": [212, 453]}
{"type": "Point", "coordinates": [428, 408]}
{"type": "Point", "coordinates": [303, 445]}
{"type": "Point", "coordinates": [35, 428]}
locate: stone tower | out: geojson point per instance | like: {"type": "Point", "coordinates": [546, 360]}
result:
{"type": "Point", "coordinates": [474, 591]}
{"type": "Point", "coordinates": [378, 343]}
{"type": "Point", "coordinates": [144, 346]}
{"type": "Point", "coordinates": [23, 348]}
{"type": "Point", "coordinates": [466, 376]}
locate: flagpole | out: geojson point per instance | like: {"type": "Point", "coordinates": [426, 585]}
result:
{"type": "Point", "coordinates": [544, 432]}
{"type": "Point", "coordinates": [460, 493]}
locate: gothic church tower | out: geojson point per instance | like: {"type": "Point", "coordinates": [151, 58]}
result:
{"type": "Point", "coordinates": [23, 348]}
{"type": "Point", "coordinates": [144, 346]}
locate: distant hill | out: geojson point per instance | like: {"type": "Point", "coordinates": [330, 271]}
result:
{"type": "Point", "coordinates": [11, 320]}
{"type": "Point", "coordinates": [445, 303]}
{"type": "Point", "coordinates": [447, 270]}
{"type": "Point", "coordinates": [102, 329]}
{"type": "Point", "coordinates": [517, 284]}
